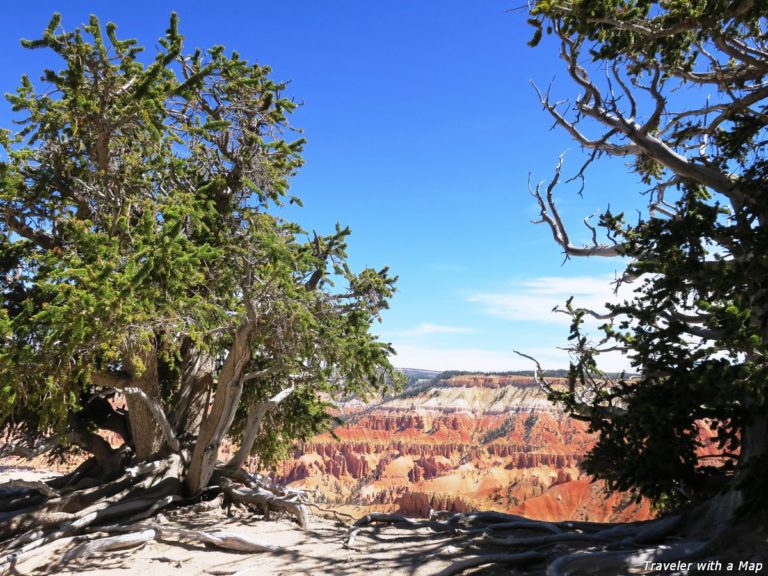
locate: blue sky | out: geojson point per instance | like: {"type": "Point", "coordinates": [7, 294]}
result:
{"type": "Point", "coordinates": [422, 129]}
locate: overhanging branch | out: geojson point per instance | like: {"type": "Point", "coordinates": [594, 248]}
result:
{"type": "Point", "coordinates": [579, 409]}
{"type": "Point", "coordinates": [549, 214]}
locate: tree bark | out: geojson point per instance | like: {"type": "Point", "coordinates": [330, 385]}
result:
{"type": "Point", "coordinates": [197, 377]}
{"type": "Point", "coordinates": [256, 414]}
{"type": "Point", "coordinates": [108, 460]}
{"type": "Point", "coordinates": [147, 434]}
{"type": "Point", "coordinates": [217, 422]}
{"type": "Point", "coordinates": [252, 429]}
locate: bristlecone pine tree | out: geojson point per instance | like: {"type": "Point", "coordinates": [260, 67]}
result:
{"type": "Point", "coordinates": [138, 260]}
{"type": "Point", "coordinates": [680, 90]}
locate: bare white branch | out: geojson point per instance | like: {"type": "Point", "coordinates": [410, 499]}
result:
{"type": "Point", "coordinates": [549, 214]}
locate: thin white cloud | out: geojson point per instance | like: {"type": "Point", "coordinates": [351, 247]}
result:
{"type": "Point", "coordinates": [534, 300]}
{"type": "Point", "coordinates": [530, 300]}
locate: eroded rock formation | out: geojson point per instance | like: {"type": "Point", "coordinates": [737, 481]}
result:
{"type": "Point", "coordinates": [468, 442]}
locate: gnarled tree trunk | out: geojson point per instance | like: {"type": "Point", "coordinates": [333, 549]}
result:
{"type": "Point", "coordinates": [256, 413]}
{"type": "Point", "coordinates": [146, 432]}
{"type": "Point", "coordinates": [197, 383]}
{"type": "Point", "coordinates": [219, 419]}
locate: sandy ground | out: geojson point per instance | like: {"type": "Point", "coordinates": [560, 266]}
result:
{"type": "Point", "coordinates": [321, 550]}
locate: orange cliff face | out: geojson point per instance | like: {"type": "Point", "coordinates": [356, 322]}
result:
{"type": "Point", "coordinates": [465, 443]}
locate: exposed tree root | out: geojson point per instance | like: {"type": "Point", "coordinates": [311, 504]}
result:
{"type": "Point", "coordinates": [595, 562]}
{"type": "Point", "coordinates": [38, 519]}
{"type": "Point", "coordinates": [566, 549]}
{"type": "Point", "coordinates": [449, 525]}
{"type": "Point", "coordinates": [109, 544]}
{"type": "Point", "coordinates": [527, 525]}
{"type": "Point", "coordinates": [138, 489]}
{"type": "Point", "coordinates": [264, 497]}
{"type": "Point", "coordinates": [219, 538]}
{"type": "Point", "coordinates": [328, 512]}
{"type": "Point", "coordinates": [503, 559]}
{"type": "Point", "coordinates": [34, 485]}
{"type": "Point", "coordinates": [137, 535]}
